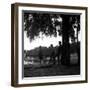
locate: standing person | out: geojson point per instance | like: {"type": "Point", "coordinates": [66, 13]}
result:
{"type": "Point", "coordinates": [59, 52]}
{"type": "Point", "coordinates": [52, 54]}
{"type": "Point", "coordinates": [40, 54]}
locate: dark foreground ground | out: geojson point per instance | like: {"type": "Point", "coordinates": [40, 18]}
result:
{"type": "Point", "coordinates": [50, 70]}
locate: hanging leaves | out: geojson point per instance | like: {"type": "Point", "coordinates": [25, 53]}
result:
{"type": "Point", "coordinates": [48, 24]}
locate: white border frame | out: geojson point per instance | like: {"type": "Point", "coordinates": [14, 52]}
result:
{"type": "Point", "coordinates": [34, 80]}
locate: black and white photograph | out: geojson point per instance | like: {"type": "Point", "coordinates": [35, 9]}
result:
{"type": "Point", "coordinates": [49, 44]}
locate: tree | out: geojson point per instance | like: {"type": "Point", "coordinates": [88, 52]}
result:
{"type": "Point", "coordinates": [34, 23]}
{"type": "Point", "coordinates": [70, 22]}
{"type": "Point", "coordinates": [50, 24]}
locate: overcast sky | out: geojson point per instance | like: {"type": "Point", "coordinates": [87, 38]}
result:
{"type": "Point", "coordinates": [45, 41]}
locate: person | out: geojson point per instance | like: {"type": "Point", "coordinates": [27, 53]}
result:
{"type": "Point", "coordinates": [59, 52]}
{"type": "Point", "coordinates": [40, 54]}
{"type": "Point", "coordinates": [52, 54]}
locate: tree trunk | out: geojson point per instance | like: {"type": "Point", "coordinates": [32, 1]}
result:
{"type": "Point", "coordinates": [65, 40]}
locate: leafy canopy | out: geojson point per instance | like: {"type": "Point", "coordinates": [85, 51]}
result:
{"type": "Point", "coordinates": [48, 24]}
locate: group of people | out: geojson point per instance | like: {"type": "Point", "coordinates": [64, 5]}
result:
{"type": "Point", "coordinates": [55, 54]}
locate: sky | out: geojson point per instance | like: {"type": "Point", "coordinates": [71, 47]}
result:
{"type": "Point", "coordinates": [45, 41]}
{"type": "Point", "coordinates": [39, 41]}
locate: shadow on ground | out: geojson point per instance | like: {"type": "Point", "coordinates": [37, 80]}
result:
{"type": "Point", "coordinates": [51, 70]}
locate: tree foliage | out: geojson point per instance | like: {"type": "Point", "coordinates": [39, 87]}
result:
{"type": "Point", "coordinates": [48, 24]}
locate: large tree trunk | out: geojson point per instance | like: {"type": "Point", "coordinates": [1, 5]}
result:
{"type": "Point", "coordinates": [65, 40]}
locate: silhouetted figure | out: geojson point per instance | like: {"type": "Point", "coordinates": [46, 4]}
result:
{"type": "Point", "coordinates": [59, 52]}
{"type": "Point", "coordinates": [52, 54]}
{"type": "Point", "coordinates": [40, 54]}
